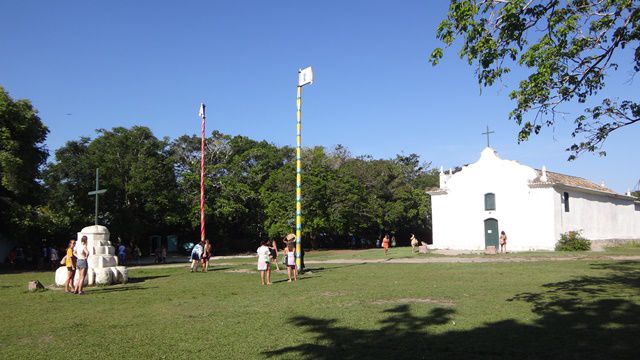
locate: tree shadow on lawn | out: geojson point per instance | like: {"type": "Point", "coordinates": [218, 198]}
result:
{"type": "Point", "coordinates": [589, 317]}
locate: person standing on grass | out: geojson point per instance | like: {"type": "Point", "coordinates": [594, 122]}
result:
{"type": "Point", "coordinates": [81, 253]}
{"type": "Point", "coordinates": [53, 257]}
{"type": "Point", "coordinates": [414, 243]}
{"type": "Point", "coordinates": [122, 254]}
{"type": "Point", "coordinates": [263, 262]}
{"type": "Point", "coordinates": [196, 254]}
{"type": "Point", "coordinates": [273, 253]}
{"type": "Point", "coordinates": [503, 242]}
{"type": "Point", "coordinates": [385, 244]}
{"type": "Point", "coordinates": [206, 255]}
{"type": "Point", "coordinates": [290, 256]}
{"type": "Point", "coordinates": [71, 268]}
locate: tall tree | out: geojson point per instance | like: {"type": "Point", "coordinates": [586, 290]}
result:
{"type": "Point", "coordinates": [138, 173]}
{"type": "Point", "coordinates": [569, 49]}
{"type": "Point", "coordinates": [22, 153]}
{"type": "Point", "coordinates": [237, 169]}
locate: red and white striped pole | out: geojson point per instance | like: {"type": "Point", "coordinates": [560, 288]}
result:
{"type": "Point", "coordinates": [202, 115]}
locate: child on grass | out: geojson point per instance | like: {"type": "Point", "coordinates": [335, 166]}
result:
{"type": "Point", "coordinates": [290, 256]}
{"type": "Point", "coordinates": [263, 262]}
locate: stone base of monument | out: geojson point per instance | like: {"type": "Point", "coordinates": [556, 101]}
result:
{"type": "Point", "coordinates": [102, 263]}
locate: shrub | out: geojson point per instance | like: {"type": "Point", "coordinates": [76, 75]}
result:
{"type": "Point", "coordinates": [573, 241]}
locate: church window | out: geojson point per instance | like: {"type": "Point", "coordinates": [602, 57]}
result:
{"type": "Point", "coordinates": [489, 201]}
{"type": "Point", "coordinates": [565, 200]}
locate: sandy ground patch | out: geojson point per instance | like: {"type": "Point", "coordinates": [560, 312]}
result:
{"type": "Point", "coordinates": [241, 271]}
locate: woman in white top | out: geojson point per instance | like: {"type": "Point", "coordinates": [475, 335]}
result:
{"type": "Point", "coordinates": [264, 265]}
{"type": "Point", "coordinates": [81, 253]}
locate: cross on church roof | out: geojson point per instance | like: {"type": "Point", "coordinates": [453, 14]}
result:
{"type": "Point", "coordinates": [488, 133]}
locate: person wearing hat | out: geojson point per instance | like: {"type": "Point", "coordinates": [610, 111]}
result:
{"type": "Point", "coordinates": [291, 238]}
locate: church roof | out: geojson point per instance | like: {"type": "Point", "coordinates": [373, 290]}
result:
{"type": "Point", "coordinates": [573, 181]}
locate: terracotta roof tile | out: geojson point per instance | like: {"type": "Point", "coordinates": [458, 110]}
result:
{"type": "Point", "coordinates": [568, 180]}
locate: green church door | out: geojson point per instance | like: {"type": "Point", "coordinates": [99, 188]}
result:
{"type": "Point", "coordinates": [491, 233]}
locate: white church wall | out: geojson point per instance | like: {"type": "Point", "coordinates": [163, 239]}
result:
{"type": "Point", "coordinates": [599, 217]}
{"type": "Point", "coordinates": [538, 232]}
{"type": "Point", "coordinates": [458, 215]}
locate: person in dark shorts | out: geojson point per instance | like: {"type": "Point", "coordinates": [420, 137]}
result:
{"type": "Point", "coordinates": [69, 262]}
{"type": "Point", "coordinates": [273, 252]}
{"type": "Point", "coordinates": [206, 255]}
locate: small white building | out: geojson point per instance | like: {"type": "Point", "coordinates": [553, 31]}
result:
{"type": "Point", "coordinates": [532, 206]}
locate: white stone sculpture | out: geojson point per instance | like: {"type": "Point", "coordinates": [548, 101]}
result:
{"type": "Point", "coordinates": [102, 263]}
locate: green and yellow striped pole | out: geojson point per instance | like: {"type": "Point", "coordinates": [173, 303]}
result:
{"type": "Point", "coordinates": [299, 179]}
{"type": "Point", "coordinates": [305, 76]}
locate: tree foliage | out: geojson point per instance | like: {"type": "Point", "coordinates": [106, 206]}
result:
{"type": "Point", "coordinates": [251, 192]}
{"type": "Point", "coordinates": [22, 153]}
{"type": "Point", "coordinates": [137, 172]}
{"type": "Point", "coordinates": [153, 187]}
{"type": "Point", "coordinates": [568, 47]}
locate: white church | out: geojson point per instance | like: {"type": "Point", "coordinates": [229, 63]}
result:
{"type": "Point", "coordinates": [533, 207]}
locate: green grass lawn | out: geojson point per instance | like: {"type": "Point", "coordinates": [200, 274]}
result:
{"type": "Point", "coordinates": [368, 254]}
{"type": "Point", "coordinates": [407, 253]}
{"type": "Point", "coordinates": [548, 309]}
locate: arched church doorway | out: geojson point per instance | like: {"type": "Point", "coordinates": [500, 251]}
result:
{"type": "Point", "coordinates": [491, 234]}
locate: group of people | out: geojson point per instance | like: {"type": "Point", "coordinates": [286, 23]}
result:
{"type": "Point", "coordinates": [268, 253]}
{"type": "Point", "coordinates": [76, 260]}
{"type": "Point", "coordinates": [47, 258]}
{"type": "Point", "coordinates": [200, 254]}
{"type": "Point", "coordinates": [126, 253]}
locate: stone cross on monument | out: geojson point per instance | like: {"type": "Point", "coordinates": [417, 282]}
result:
{"type": "Point", "coordinates": [97, 192]}
{"type": "Point", "coordinates": [488, 133]}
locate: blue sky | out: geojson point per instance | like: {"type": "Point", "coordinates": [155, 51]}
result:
{"type": "Point", "coordinates": [122, 63]}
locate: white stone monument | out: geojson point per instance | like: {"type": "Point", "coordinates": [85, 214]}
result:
{"type": "Point", "coordinates": [103, 263]}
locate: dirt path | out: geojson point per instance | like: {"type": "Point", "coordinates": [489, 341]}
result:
{"type": "Point", "coordinates": [178, 265]}
{"type": "Point", "coordinates": [424, 260]}
{"type": "Point", "coordinates": [472, 259]}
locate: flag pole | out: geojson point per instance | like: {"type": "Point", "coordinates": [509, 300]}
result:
{"type": "Point", "coordinates": [202, 227]}
{"type": "Point", "coordinates": [299, 178]}
{"type": "Point", "coordinates": [305, 76]}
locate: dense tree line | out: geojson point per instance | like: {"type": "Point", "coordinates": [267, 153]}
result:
{"type": "Point", "coordinates": [153, 187]}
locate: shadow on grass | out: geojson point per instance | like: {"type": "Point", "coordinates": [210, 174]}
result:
{"type": "Point", "coordinates": [316, 270]}
{"type": "Point", "coordinates": [141, 279]}
{"type": "Point", "coordinates": [589, 317]}
{"type": "Point", "coordinates": [300, 278]}
{"type": "Point", "coordinates": [104, 290]}
{"type": "Point", "coordinates": [218, 268]}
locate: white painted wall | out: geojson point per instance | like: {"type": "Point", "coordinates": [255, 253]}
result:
{"type": "Point", "coordinates": [599, 216]}
{"type": "Point", "coordinates": [524, 213]}
{"type": "Point", "coordinates": [532, 216]}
